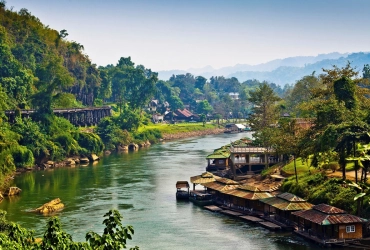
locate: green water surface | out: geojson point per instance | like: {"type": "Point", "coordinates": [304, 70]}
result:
{"type": "Point", "coordinates": [141, 185]}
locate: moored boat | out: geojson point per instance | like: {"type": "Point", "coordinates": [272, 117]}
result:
{"type": "Point", "coordinates": [201, 198]}
{"type": "Point", "coordinates": [182, 192]}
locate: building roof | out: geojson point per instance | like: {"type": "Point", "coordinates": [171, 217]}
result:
{"type": "Point", "coordinates": [287, 202]}
{"type": "Point", "coordinates": [227, 181]}
{"type": "Point", "coordinates": [249, 195]}
{"type": "Point", "coordinates": [323, 214]}
{"type": "Point", "coordinates": [290, 197]}
{"type": "Point", "coordinates": [184, 113]}
{"type": "Point", "coordinates": [328, 209]}
{"type": "Point", "coordinates": [206, 177]}
{"type": "Point", "coordinates": [219, 186]}
{"type": "Point", "coordinates": [219, 154]}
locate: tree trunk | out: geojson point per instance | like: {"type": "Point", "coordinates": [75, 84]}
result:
{"type": "Point", "coordinates": [295, 170]}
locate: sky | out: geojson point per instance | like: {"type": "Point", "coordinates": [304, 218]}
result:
{"type": "Point", "coordinates": [183, 34]}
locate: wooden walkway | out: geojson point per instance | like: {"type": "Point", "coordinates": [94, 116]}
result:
{"type": "Point", "coordinates": [232, 213]}
{"type": "Point", "coordinates": [251, 218]}
{"type": "Point", "coordinates": [243, 216]}
{"type": "Point", "coordinates": [269, 225]}
{"type": "Point", "coordinates": [213, 208]}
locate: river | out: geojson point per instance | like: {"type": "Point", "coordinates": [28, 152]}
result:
{"type": "Point", "coordinates": [141, 185]}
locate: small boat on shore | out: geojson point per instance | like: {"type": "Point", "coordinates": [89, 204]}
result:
{"type": "Point", "coordinates": [182, 192]}
{"type": "Point", "coordinates": [201, 198]}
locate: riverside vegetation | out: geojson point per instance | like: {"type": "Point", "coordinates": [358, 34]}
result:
{"type": "Point", "coordinates": [41, 69]}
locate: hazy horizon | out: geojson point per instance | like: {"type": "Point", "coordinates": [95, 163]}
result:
{"type": "Point", "coordinates": [179, 35]}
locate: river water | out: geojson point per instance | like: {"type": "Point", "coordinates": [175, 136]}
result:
{"type": "Point", "coordinates": [141, 185]}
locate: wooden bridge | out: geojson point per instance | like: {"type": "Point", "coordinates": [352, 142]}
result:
{"type": "Point", "coordinates": [77, 116]}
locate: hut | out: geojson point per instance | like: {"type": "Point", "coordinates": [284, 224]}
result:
{"type": "Point", "coordinates": [205, 177]}
{"type": "Point", "coordinates": [246, 197]}
{"type": "Point", "coordinates": [282, 205]}
{"type": "Point", "coordinates": [329, 223]}
{"type": "Point", "coordinates": [218, 160]}
{"type": "Point", "coordinates": [218, 187]}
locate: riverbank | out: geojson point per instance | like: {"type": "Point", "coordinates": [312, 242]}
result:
{"type": "Point", "coordinates": [181, 135]}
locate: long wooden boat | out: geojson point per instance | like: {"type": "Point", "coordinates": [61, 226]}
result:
{"type": "Point", "coordinates": [201, 198]}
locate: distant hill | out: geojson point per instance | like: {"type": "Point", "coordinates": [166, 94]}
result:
{"type": "Point", "coordinates": [280, 71]}
{"type": "Point", "coordinates": [288, 75]}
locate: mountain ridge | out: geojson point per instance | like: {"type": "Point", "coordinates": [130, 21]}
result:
{"type": "Point", "coordinates": [280, 71]}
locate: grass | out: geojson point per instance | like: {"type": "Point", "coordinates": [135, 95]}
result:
{"type": "Point", "coordinates": [304, 167]}
{"type": "Point", "coordinates": [177, 128]}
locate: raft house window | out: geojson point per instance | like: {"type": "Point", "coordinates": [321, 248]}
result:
{"type": "Point", "coordinates": [350, 229]}
{"type": "Point", "coordinates": [221, 161]}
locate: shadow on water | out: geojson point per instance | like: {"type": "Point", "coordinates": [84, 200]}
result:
{"type": "Point", "coordinates": [141, 185]}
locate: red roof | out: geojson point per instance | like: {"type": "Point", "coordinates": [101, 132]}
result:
{"type": "Point", "coordinates": [185, 113]}
{"type": "Point", "coordinates": [324, 214]}
{"type": "Point", "coordinates": [328, 209]}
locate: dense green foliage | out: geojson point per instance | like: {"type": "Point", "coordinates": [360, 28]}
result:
{"type": "Point", "coordinates": [115, 235]}
{"type": "Point", "coordinates": [318, 188]}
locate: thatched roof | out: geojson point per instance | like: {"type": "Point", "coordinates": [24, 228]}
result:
{"type": "Point", "coordinates": [206, 177]}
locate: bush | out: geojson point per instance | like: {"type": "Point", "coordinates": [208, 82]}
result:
{"type": "Point", "coordinates": [68, 143]}
{"type": "Point", "coordinates": [91, 142]}
{"type": "Point", "coordinates": [111, 134]}
{"type": "Point", "coordinates": [22, 156]}
{"type": "Point", "coordinates": [152, 135]}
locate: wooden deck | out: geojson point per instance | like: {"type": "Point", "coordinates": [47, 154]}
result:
{"type": "Point", "coordinates": [269, 225]}
{"type": "Point", "coordinates": [353, 243]}
{"type": "Point", "coordinates": [251, 218]}
{"type": "Point", "coordinates": [213, 208]}
{"type": "Point", "coordinates": [232, 213]}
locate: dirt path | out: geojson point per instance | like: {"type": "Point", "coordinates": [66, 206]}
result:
{"type": "Point", "coordinates": [350, 175]}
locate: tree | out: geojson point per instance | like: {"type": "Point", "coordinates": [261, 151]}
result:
{"type": "Point", "coordinates": [115, 235]}
{"type": "Point", "coordinates": [264, 112]}
{"type": "Point", "coordinates": [204, 107]}
{"type": "Point", "coordinates": [301, 94]}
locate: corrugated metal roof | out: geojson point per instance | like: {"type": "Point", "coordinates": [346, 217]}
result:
{"type": "Point", "coordinates": [328, 209]}
{"type": "Point", "coordinates": [290, 197]}
{"type": "Point", "coordinates": [248, 195]}
{"type": "Point", "coordinates": [321, 218]}
{"type": "Point", "coordinates": [219, 186]}
{"type": "Point", "coordinates": [250, 188]}
{"type": "Point", "coordinates": [227, 181]}
{"type": "Point", "coordinates": [203, 178]}
{"type": "Point", "coordinates": [184, 113]}
{"type": "Point", "coordinates": [285, 205]}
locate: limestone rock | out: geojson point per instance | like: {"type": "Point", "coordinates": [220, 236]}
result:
{"type": "Point", "coordinates": [94, 157]}
{"type": "Point", "coordinates": [84, 160]}
{"type": "Point", "coordinates": [107, 152]}
{"type": "Point", "coordinates": [12, 191]}
{"type": "Point", "coordinates": [70, 161]}
{"type": "Point", "coordinates": [122, 148]}
{"type": "Point", "coordinates": [49, 207]}
{"type": "Point", "coordinates": [50, 163]}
